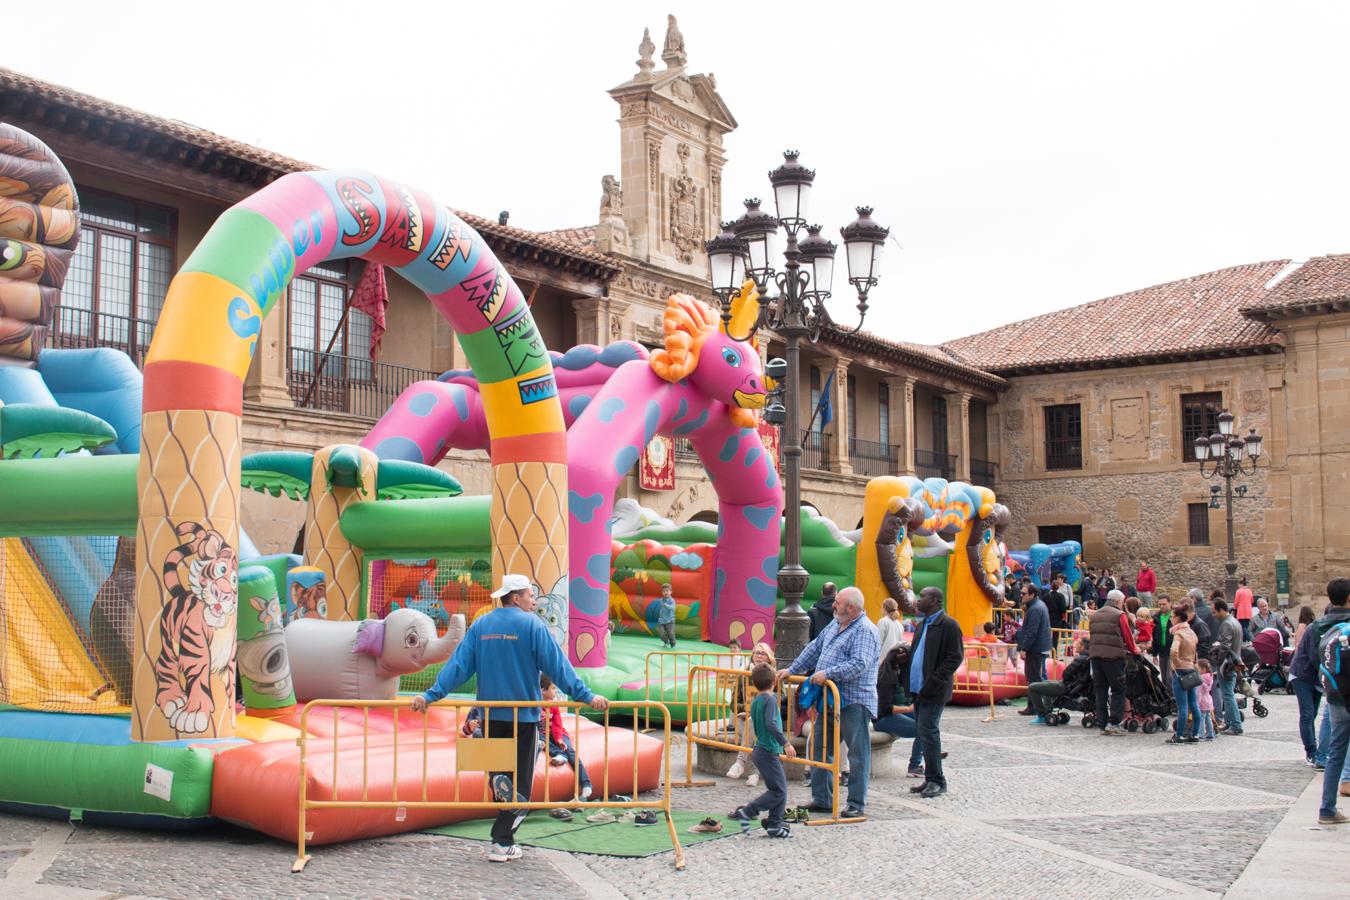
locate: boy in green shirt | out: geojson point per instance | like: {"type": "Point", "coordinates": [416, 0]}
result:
{"type": "Point", "coordinates": [769, 742]}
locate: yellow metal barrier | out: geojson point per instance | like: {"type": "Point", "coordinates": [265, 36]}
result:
{"type": "Point", "coordinates": [718, 705]}
{"type": "Point", "coordinates": [1063, 640]}
{"type": "Point", "coordinates": [489, 755]}
{"type": "Point", "coordinates": [666, 671]}
{"type": "Point", "coordinates": [979, 661]}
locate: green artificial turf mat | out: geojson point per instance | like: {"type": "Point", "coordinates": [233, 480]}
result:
{"type": "Point", "coordinates": [579, 836]}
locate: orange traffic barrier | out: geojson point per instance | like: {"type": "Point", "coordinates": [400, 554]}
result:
{"type": "Point", "coordinates": [976, 675]}
{"type": "Point", "coordinates": [478, 758]}
{"type": "Point", "coordinates": [666, 674]}
{"type": "Point", "coordinates": [718, 706]}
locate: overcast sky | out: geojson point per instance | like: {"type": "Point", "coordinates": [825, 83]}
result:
{"type": "Point", "coordinates": [1028, 156]}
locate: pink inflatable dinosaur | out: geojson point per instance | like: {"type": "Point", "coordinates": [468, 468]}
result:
{"type": "Point", "coordinates": [702, 385]}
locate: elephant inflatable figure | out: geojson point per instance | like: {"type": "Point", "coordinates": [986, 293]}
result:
{"type": "Point", "coordinates": [364, 660]}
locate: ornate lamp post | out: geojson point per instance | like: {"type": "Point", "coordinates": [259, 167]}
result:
{"type": "Point", "coordinates": [1227, 456]}
{"type": "Point", "coordinates": [749, 246]}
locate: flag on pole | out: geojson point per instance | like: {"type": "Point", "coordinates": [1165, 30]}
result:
{"type": "Point", "coordinates": [826, 408]}
{"type": "Point", "coordinates": [372, 298]}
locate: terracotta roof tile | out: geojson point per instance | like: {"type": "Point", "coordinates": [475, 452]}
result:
{"type": "Point", "coordinates": [209, 140]}
{"type": "Point", "coordinates": [925, 356]}
{"type": "Point", "coordinates": [1321, 281]}
{"type": "Point", "coordinates": [1196, 316]}
{"type": "Point", "coordinates": [585, 235]}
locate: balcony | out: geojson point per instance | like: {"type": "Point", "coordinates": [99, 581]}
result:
{"type": "Point", "coordinates": [815, 450]}
{"type": "Point", "coordinates": [873, 459]}
{"type": "Point", "coordinates": [928, 464]}
{"type": "Point", "coordinates": [983, 472]}
{"type": "Point", "coordinates": [78, 329]}
{"type": "Point", "coordinates": [353, 385]}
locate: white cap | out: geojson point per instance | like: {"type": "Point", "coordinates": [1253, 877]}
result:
{"type": "Point", "coordinates": [511, 583]}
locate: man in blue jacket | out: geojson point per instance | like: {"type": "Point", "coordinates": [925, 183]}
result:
{"type": "Point", "coordinates": [507, 649]}
{"type": "Point", "coordinates": [1033, 640]}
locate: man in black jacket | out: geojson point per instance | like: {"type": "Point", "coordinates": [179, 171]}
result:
{"type": "Point", "coordinates": [822, 611]}
{"type": "Point", "coordinates": [1162, 641]}
{"type": "Point", "coordinates": [938, 651]}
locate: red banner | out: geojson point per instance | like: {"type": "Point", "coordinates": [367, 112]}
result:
{"type": "Point", "coordinates": [656, 469]}
{"type": "Point", "coordinates": [772, 439]}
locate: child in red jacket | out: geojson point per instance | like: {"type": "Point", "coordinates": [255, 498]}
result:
{"type": "Point", "coordinates": [561, 752]}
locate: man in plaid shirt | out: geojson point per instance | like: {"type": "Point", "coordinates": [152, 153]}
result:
{"type": "Point", "coordinates": [847, 653]}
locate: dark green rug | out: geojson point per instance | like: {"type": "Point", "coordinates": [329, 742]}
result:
{"type": "Point", "coordinates": [579, 836]}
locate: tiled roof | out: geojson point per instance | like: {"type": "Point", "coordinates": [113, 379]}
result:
{"type": "Point", "coordinates": [69, 98]}
{"type": "Point", "coordinates": [1320, 284]}
{"type": "Point", "coordinates": [585, 235]}
{"type": "Point", "coordinates": [1195, 317]}
{"type": "Point", "coordinates": [17, 91]}
{"type": "Point", "coordinates": [922, 356]}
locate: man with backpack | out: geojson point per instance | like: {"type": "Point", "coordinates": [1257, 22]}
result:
{"type": "Point", "coordinates": [1323, 655]}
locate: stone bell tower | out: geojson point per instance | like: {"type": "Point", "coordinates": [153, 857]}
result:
{"type": "Point", "coordinates": [669, 199]}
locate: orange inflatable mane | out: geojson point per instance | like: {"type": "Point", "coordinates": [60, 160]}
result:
{"type": "Point", "coordinates": [688, 323]}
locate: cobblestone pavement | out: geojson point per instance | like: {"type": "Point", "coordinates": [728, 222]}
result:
{"type": "Point", "coordinates": [1031, 811]}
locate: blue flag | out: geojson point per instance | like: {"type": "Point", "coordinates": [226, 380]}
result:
{"type": "Point", "coordinates": [826, 408]}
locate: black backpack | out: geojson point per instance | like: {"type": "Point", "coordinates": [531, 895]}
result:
{"type": "Point", "coordinates": [1333, 661]}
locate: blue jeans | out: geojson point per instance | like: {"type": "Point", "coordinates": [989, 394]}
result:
{"type": "Point", "coordinates": [1206, 724]}
{"type": "Point", "coordinates": [567, 750]}
{"type": "Point", "coordinates": [1339, 718]}
{"type": "Point", "coordinates": [1324, 741]}
{"type": "Point", "coordinates": [902, 726]}
{"type": "Point", "coordinates": [1188, 708]}
{"type": "Point", "coordinates": [1231, 717]}
{"type": "Point", "coordinates": [854, 731]}
{"type": "Point", "coordinates": [1309, 698]}
{"type": "Point", "coordinates": [927, 717]}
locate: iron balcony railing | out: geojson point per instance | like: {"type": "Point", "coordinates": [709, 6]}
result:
{"type": "Point", "coordinates": [354, 385]}
{"type": "Point", "coordinates": [928, 464]}
{"type": "Point", "coordinates": [74, 328]}
{"type": "Point", "coordinates": [983, 472]}
{"type": "Point", "coordinates": [815, 450]}
{"type": "Point", "coordinates": [872, 458]}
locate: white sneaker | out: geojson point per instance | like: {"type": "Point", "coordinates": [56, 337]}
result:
{"type": "Point", "coordinates": [753, 780]}
{"type": "Point", "coordinates": [586, 792]}
{"type": "Point", "coordinates": [558, 760]}
{"type": "Point", "coordinates": [501, 854]}
{"type": "Point", "coordinates": [737, 769]}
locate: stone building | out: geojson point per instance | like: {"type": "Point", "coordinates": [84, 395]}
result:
{"type": "Point", "coordinates": [1093, 435]}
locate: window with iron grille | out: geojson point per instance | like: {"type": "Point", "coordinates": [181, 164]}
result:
{"type": "Point", "coordinates": [884, 412]}
{"type": "Point", "coordinates": [1197, 516]}
{"type": "Point", "coordinates": [119, 274]}
{"type": "Point", "coordinates": [940, 426]}
{"type": "Point", "coordinates": [852, 408]}
{"type": "Point", "coordinates": [816, 423]}
{"type": "Point", "coordinates": [323, 346]}
{"type": "Point", "coordinates": [1063, 437]}
{"type": "Point", "coordinates": [1199, 419]}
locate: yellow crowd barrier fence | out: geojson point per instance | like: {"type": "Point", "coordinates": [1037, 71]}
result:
{"type": "Point", "coordinates": [719, 705]}
{"type": "Point", "coordinates": [978, 677]}
{"type": "Point", "coordinates": [1063, 640]}
{"type": "Point", "coordinates": [491, 755]}
{"type": "Point", "coordinates": [666, 672]}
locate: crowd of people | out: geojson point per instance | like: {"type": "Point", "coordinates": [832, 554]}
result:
{"type": "Point", "coordinates": [889, 684]}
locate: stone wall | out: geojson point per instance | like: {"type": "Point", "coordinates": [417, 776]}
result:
{"type": "Point", "coordinates": [1131, 495]}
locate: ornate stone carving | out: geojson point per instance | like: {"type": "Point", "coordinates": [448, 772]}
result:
{"type": "Point", "coordinates": [644, 287]}
{"type": "Point", "coordinates": [715, 177]}
{"type": "Point", "coordinates": [686, 224]}
{"type": "Point", "coordinates": [682, 89]}
{"type": "Point", "coordinates": [613, 231]}
{"type": "Point", "coordinates": [679, 123]}
{"type": "Point", "coordinates": [673, 53]}
{"type": "Point", "coordinates": [645, 51]}
{"type": "Point", "coordinates": [632, 108]}
{"type": "Point", "coordinates": [654, 162]}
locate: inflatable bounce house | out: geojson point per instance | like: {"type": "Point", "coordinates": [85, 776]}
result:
{"type": "Point", "coordinates": [1044, 561]}
{"type": "Point", "coordinates": [132, 604]}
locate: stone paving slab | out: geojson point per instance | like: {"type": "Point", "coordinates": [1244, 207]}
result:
{"type": "Point", "coordinates": [425, 868]}
{"type": "Point", "coordinates": [1276, 778]}
{"type": "Point", "coordinates": [20, 829]}
{"type": "Point", "coordinates": [1208, 851]}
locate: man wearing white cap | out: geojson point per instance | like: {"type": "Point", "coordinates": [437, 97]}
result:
{"type": "Point", "coordinates": [507, 649]}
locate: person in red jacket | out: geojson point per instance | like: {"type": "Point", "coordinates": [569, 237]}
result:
{"type": "Point", "coordinates": [1146, 583]}
{"type": "Point", "coordinates": [1242, 608]}
{"type": "Point", "coordinates": [560, 749]}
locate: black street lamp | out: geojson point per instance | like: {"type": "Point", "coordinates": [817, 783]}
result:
{"type": "Point", "coordinates": [797, 312]}
{"type": "Point", "coordinates": [1227, 456]}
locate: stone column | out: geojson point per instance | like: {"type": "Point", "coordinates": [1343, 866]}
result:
{"type": "Point", "coordinates": [265, 382]}
{"type": "Point", "coordinates": [901, 390]}
{"type": "Point", "coordinates": [590, 313]}
{"type": "Point", "coordinates": [958, 432]}
{"type": "Point", "coordinates": [839, 461]}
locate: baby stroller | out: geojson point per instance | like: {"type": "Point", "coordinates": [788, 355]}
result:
{"type": "Point", "coordinates": [1077, 696]}
{"type": "Point", "coordinates": [1271, 671]}
{"type": "Point", "coordinates": [1146, 703]}
{"type": "Point", "coordinates": [1243, 686]}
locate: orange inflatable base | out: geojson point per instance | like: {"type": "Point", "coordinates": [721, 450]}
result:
{"type": "Point", "coordinates": [257, 785]}
{"type": "Point", "coordinates": [972, 687]}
